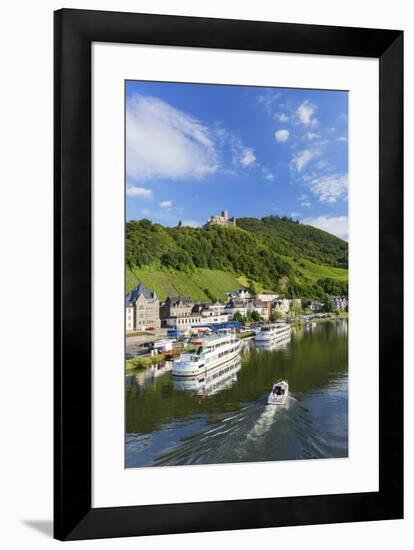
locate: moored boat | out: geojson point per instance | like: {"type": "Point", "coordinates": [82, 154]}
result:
{"type": "Point", "coordinates": [210, 353]}
{"type": "Point", "coordinates": [279, 393]}
{"type": "Point", "coordinates": [272, 332]}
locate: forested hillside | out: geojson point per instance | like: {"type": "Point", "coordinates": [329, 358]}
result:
{"type": "Point", "coordinates": [291, 238]}
{"type": "Point", "coordinates": [271, 254]}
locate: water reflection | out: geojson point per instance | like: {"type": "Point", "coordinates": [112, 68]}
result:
{"type": "Point", "coordinates": [145, 376]}
{"type": "Point", "coordinates": [214, 382]}
{"type": "Point", "coordinates": [272, 345]}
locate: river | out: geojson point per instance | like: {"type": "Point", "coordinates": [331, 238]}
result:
{"type": "Point", "coordinates": [227, 420]}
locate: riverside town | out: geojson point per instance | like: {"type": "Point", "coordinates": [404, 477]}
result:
{"type": "Point", "coordinates": [243, 311]}
{"type": "Point", "coordinates": [236, 274]}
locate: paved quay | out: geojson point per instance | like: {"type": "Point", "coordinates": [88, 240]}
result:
{"type": "Point", "coordinates": [133, 343]}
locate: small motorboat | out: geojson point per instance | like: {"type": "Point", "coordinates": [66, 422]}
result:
{"type": "Point", "coordinates": [279, 393]}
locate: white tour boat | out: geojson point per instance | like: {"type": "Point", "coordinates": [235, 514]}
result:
{"type": "Point", "coordinates": [279, 393]}
{"type": "Point", "coordinates": [210, 353]}
{"type": "Point", "coordinates": [273, 332]}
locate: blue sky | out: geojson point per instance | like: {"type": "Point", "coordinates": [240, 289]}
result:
{"type": "Point", "coordinates": [193, 150]}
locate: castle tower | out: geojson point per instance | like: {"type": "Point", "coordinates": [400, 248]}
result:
{"type": "Point", "coordinates": [222, 219]}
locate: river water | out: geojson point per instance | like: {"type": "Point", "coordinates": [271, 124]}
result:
{"type": "Point", "coordinates": [226, 419]}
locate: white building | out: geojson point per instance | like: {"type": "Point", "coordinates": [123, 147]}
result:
{"type": "Point", "coordinates": [183, 323]}
{"type": "Point", "coordinates": [129, 320]}
{"type": "Point", "coordinates": [314, 305]}
{"type": "Point", "coordinates": [267, 297]}
{"type": "Point", "coordinates": [236, 306]}
{"type": "Point", "coordinates": [141, 309]}
{"type": "Point", "coordinates": [242, 294]}
{"type": "Point", "coordinates": [163, 346]}
{"type": "Point", "coordinates": [262, 308]}
{"type": "Point", "coordinates": [208, 309]}
{"type": "Point", "coordinates": [338, 303]}
{"type": "Point", "coordinates": [214, 309]}
{"type": "Point", "coordinates": [281, 305]}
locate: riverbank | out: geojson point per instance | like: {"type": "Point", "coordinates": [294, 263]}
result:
{"type": "Point", "coordinates": [143, 362]}
{"type": "Point", "coordinates": [149, 360]}
{"type": "Point", "coordinates": [318, 321]}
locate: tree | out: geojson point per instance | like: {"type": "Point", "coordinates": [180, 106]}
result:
{"type": "Point", "coordinates": [295, 307]}
{"type": "Point", "coordinates": [333, 287]}
{"type": "Point", "coordinates": [327, 308]}
{"type": "Point", "coordinates": [276, 315]}
{"type": "Point", "coordinates": [254, 316]}
{"type": "Point", "coordinates": [252, 288]}
{"type": "Point", "coordinates": [239, 317]}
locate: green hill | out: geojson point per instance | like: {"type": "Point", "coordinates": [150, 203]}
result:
{"type": "Point", "coordinates": [201, 285]}
{"type": "Point", "coordinates": [274, 253]}
{"type": "Point", "coordinates": [290, 238]}
{"type": "Point", "coordinates": [315, 272]}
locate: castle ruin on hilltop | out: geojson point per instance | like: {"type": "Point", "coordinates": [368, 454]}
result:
{"type": "Point", "coordinates": [222, 219]}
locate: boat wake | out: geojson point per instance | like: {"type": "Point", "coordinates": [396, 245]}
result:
{"type": "Point", "coordinates": [267, 418]}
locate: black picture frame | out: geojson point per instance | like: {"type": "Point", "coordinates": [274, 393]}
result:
{"type": "Point", "coordinates": [74, 32]}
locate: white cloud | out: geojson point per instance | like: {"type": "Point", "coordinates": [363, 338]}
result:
{"type": "Point", "coordinates": [191, 223]}
{"type": "Point", "coordinates": [342, 138]}
{"type": "Point", "coordinates": [281, 117]}
{"type": "Point", "coordinates": [304, 200]}
{"type": "Point", "coordinates": [166, 204]}
{"type": "Point", "coordinates": [312, 135]}
{"type": "Point", "coordinates": [133, 191]}
{"type": "Point", "coordinates": [330, 188]}
{"type": "Point", "coordinates": [162, 141]}
{"type": "Point", "coordinates": [247, 156]}
{"type": "Point", "coordinates": [268, 99]}
{"type": "Point", "coordinates": [282, 135]}
{"type": "Point", "coordinates": [295, 214]}
{"type": "Point", "coordinates": [302, 158]}
{"type": "Point", "coordinates": [337, 225]}
{"type": "Point", "coordinates": [305, 114]}
{"type": "Point", "coordinates": [240, 154]}
{"type": "Point", "coordinates": [267, 175]}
